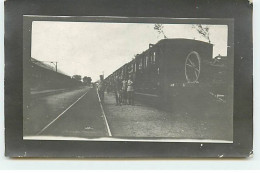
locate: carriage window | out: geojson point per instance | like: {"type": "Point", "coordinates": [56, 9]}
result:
{"type": "Point", "coordinates": [144, 63]}
{"type": "Point", "coordinates": [154, 57]}
{"type": "Point", "coordinates": [131, 68]}
{"type": "Point", "coordinates": [140, 65]}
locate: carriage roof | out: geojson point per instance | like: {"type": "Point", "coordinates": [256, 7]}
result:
{"type": "Point", "coordinates": [172, 41]}
{"type": "Point", "coordinates": [165, 41]}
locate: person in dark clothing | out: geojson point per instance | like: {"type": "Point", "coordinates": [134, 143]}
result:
{"type": "Point", "coordinates": [124, 91]}
{"type": "Point", "coordinates": [117, 91]}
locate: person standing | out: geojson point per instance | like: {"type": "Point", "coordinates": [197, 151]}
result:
{"type": "Point", "coordinates": [124, 91]}
{"type": "Point", "coordinates": [130, 91]}
{"type": "Point", "coordinates": [117, 88]}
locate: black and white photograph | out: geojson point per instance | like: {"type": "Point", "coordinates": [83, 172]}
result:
{"type": "Point", "coordinates": [128, 79]}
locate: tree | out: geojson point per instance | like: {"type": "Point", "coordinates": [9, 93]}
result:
{"type": "Point", "coordinates": [204, 31]}
{"type": "Point", "coordinates": [77, 77]}
{"type": "Point", "coordinates": [87, 80]}
{"type": "Point", "coordinates": [159, 29]}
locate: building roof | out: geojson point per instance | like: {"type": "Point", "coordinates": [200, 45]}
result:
{"type": "Point", "coordinates": [46, 66]}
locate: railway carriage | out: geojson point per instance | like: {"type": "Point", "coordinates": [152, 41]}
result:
{"type": "Point", "coordinates": [172, 68]}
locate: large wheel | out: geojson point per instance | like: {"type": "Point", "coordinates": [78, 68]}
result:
{"type": "Point", "coordinates": [192, 67]}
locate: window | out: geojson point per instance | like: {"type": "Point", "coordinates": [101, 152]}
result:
{"type": "Point", "coordinates": [130, 68]}
{"type": "Point", "coordinates": [154, 57]}
{"type": "Point", "coordinates": [143, 62]}
{"type": "Point", "coordinates": [140, 65]}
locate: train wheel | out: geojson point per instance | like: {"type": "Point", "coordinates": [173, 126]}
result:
{"type": "Point", "coordinates": [192, 67]}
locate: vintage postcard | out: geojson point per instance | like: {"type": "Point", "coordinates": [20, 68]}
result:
{"type": "Point", "coordinates": [95, 82]}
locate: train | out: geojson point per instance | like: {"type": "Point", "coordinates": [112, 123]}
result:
{"type": "Point", "coordinates": [174, 68]}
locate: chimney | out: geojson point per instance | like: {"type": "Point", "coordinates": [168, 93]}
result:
{"type": "Point", "coordinates": [150, 45]}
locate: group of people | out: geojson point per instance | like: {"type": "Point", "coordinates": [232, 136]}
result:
{"type": "Point", "coordinates": [124, 91]}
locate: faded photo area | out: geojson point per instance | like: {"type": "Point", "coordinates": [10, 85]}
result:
{"type": "Point", "coordinates": [128, 81]}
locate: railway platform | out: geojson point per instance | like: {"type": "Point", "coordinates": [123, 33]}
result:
{"type": "Point", "coordinates": [143, 120]}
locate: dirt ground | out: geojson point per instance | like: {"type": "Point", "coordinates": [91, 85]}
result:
{"type": "Point", "coordinates": [142, 120]}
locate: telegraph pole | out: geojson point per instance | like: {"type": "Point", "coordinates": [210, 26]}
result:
{"type": "Point", "coordinates": [54, 63]}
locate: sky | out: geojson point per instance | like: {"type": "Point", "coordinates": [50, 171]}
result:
{"type": "Point", "coordinates": [92, 48]}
